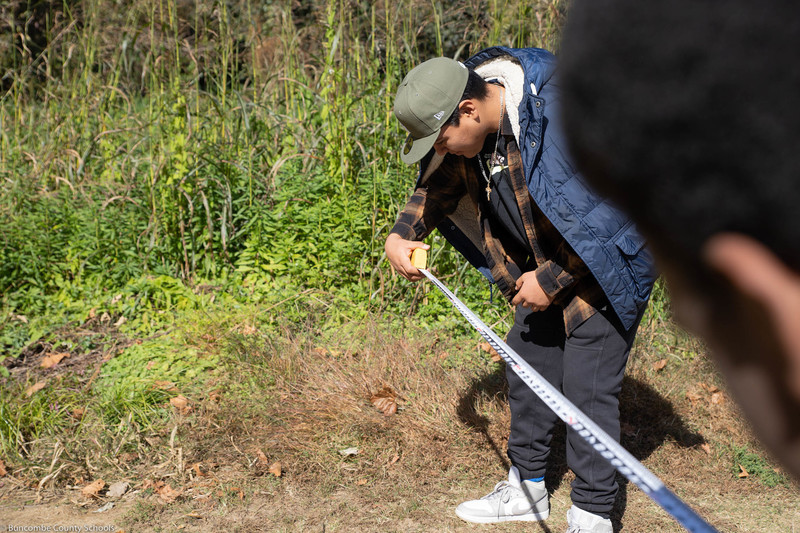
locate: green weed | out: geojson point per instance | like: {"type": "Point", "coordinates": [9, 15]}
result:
{"type": "Point", "coordinates": [755, 466]}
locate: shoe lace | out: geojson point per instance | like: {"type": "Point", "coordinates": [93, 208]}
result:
{"type": "Point", "coordinates": [501, 491]}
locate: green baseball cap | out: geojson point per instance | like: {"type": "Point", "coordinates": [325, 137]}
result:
{"type": "Point", "coordinates": [426, 98]}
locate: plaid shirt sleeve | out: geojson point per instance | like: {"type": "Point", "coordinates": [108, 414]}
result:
{"type": "Point", "coordinates": [431, 203]}
{"type": "Point", "coordinates": [564, 276]}
{"type": "Point", "coordinates": [554, 277]}
{"type": "Point", "coordinates": [568, 281]}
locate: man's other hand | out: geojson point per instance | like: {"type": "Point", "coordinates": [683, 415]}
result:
{"type": "Point", "coordinates": [530, 293]}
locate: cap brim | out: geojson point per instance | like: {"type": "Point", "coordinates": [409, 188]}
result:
{"type": "Point", "coordinates": [415, 149]}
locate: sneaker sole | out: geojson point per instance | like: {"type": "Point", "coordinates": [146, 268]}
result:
{"type": "Point", "coordinates": [529, 517]}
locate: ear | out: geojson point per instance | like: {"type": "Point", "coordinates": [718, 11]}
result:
{"type": "Point", "coordinates": [758, 273]}
{"type": "Point", "coordinates": [468, 108]}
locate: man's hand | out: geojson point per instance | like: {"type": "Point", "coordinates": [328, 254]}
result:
{"type": "Point", "coordinates": [530, 293]}
{"type": "Point", "coordinates": [398, 251]}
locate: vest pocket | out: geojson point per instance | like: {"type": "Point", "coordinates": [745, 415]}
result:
{"type": "Point", "coordinates": [637, 261]}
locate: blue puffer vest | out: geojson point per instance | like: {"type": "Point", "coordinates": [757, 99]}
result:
{"type": "Point", "coordinates": [599, 233]}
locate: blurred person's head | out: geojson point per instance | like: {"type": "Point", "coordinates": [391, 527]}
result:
{"type": "Point", "coordinates": [687, 114]}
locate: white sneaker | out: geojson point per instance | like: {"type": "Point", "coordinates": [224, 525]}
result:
{"type": "Point", "coordinates": [581, 521]}
{"type": "Point", "coordinates": [510, 500]}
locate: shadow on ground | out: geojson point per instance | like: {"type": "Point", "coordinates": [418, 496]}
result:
{"type": "Point", "coordinates": [648, 420]}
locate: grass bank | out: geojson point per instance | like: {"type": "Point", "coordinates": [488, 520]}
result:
{"type": "Point", "coordinates": [288, 432]}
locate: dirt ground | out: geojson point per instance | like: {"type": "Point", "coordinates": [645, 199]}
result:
{"type": "Point", "coordinates": [60, 514]}
{"type": "Point", "coordinates": [395, 508]}
{"type": "Point", "coordinates": [271, 454]}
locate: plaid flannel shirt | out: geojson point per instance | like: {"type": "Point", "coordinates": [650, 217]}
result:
{"type": "Point", "coordinates": [559, 270]}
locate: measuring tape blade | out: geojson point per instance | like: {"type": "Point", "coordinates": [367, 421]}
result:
{"type": "Point", "coordinates": [601, 441]}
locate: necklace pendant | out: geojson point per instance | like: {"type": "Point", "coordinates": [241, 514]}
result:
{"type": "Point", "coordinates": [488, 192]}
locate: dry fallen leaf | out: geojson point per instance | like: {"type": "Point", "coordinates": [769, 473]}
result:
{"type": "Point", "coordinates": [249, 330]}
{"type": "Point", "coordinates": [394, 459]}
{"type": "Point", "coordinates": [196, 468]}
{"type": "Point", "coordinates": [387, 406]}
{"type": "Point", "coordinates": [717, 398]}
{"type": "Point", "coordinates": [121, 320]}
{"type": "Point", "coordinates": [275, 469]}
{"type": "Point", "coordinates": [659, 365]}
{"type": "Point", "coordinates": [165, 385]}
{"type": "Point", "coordinates": [710, 388]}
{"type": "Point", "coordinates": [180, 403]}
{"type": "Point", "coordinates": [706, 448]}
{"type": "Point", "coordinates": [128, 457]}
{"type": "Point", "coordinates": [262, 457]}
{"type": "Point", "coordinates": [694, 397]}
{"type": "Point", "coordinates": [116, 490]}
{"type": "Point", "coordinates": [320, 351]}
{"type": "Point", "coordinates": [53, 359]}
{"type": "Point", "coordinates": [3, 471]}
{"type": "Point", "coordinates": [486, 347]}
{"type": "Point", "coordinates": [385, 401]}
{"type": "Point", "coordinates": [164, 491]}
{"type": "Point", "coordinates": [167, 493]}
{"type": "Point", "coordinates": [91, 490]}
{"type": "Point", "coordinates": [361, 482]}
{"type": "Point", "coordinates": [743, 473]}
{"type": "Point", "coordinates": [33, 388]}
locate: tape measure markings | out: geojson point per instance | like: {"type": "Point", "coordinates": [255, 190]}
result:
{"type": "Point", "coordinates": [601, 441]}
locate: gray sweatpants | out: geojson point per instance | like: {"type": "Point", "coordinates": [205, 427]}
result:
{"type": "Point", "coordinates": [588, 367]}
